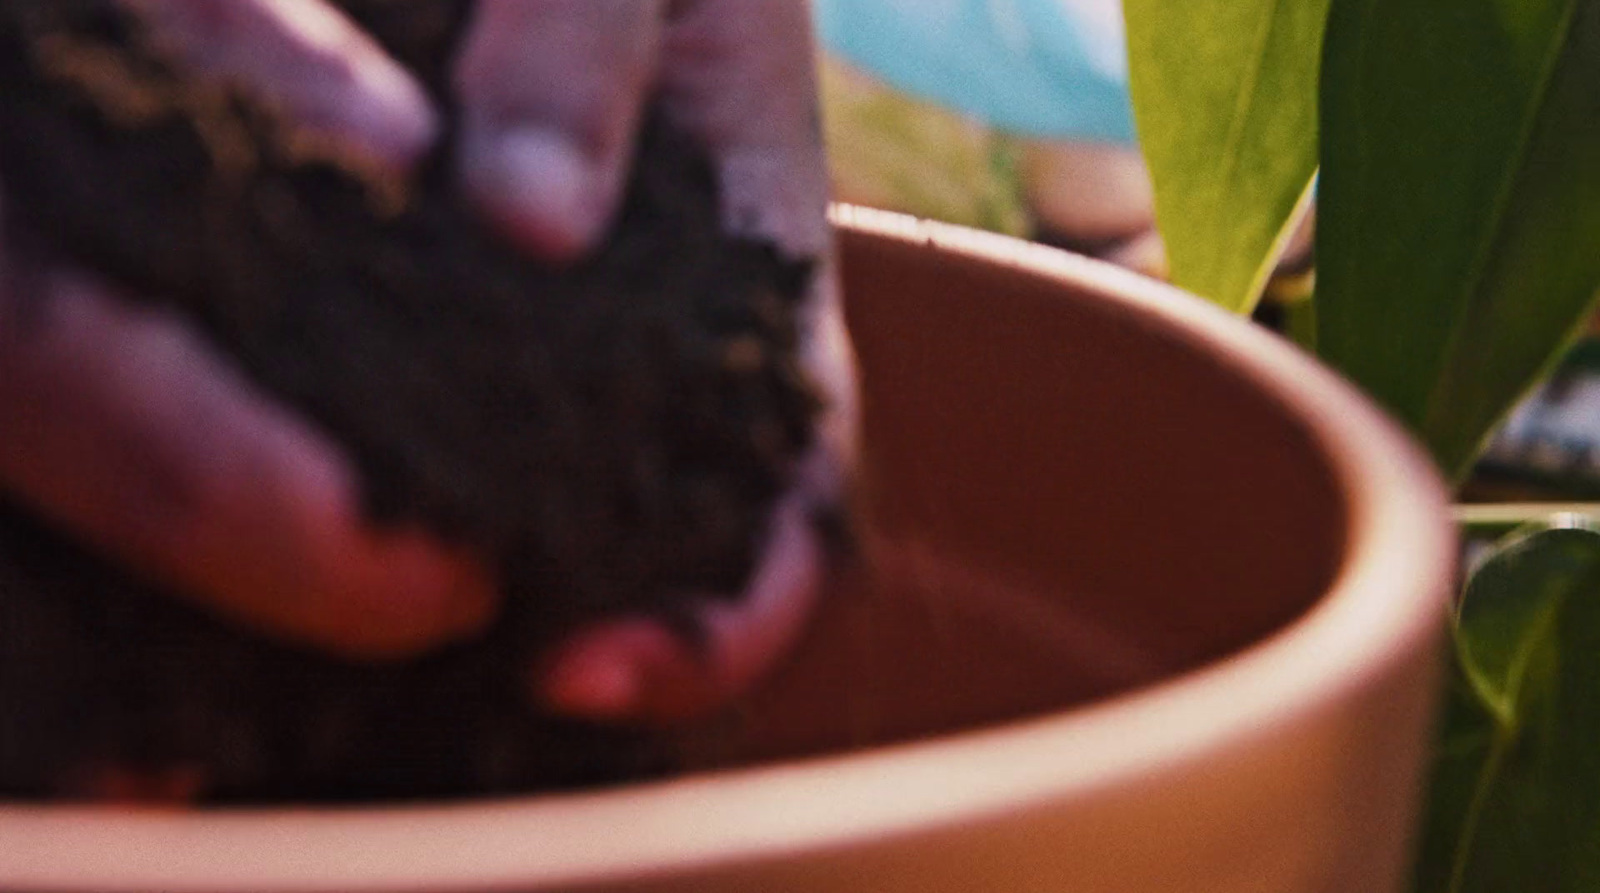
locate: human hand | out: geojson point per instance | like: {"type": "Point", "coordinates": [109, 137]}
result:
{"type": "Point", "coordinates": [239, 504]}
{"type": "Point", "coordinates": [125, 427]}
{"type": "Point", "coordinates": [552, 93]}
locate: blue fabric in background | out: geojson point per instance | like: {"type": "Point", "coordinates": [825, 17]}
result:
{"type": "Point", "coordinates": [1032, 67]}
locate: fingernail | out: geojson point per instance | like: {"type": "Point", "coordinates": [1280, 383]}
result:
{"type": "Point", "coordinates": [398, 595]}
{"type": "Point", "coordinates": [593, 686]}
{"type": "Point", "coordinates": [452, 595]}
{"type": "Point", "coordinates": [393, 113]}
{"type": "Point", "coordinates": [538, 183]}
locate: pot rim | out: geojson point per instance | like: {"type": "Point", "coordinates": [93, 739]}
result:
{"type": "Point", "coordinates": [1387, 602]}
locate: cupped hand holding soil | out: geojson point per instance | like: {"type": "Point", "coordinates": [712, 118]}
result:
{"type": "Point", "coordinates": [127, 427]}
{"type": "Point", "coordinates": [553, 95]}
{"type": "Point", "coordinates": [122, 423]}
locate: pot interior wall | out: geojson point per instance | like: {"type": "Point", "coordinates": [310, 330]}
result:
{"type": "Point", "coordinates": [1064, 500]}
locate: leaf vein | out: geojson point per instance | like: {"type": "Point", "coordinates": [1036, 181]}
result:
{"type": "Point", "coordinates": [1501, 207]}
{"type": "Point", "coordinates": [1244, 107]}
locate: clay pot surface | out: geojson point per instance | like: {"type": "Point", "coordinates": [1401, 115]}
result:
{"type": "Point", "coordinates": [1147, 602]}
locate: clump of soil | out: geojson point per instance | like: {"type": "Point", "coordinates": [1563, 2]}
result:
{"type": "Point", "coordinates": [612, 434]}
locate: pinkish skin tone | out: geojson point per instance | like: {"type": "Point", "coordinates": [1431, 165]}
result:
{"type": "Point", "coordinates": [130, 429]}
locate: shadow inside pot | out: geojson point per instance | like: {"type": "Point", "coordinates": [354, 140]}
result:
{"type": "Point", "coordinates": [1062, 502]}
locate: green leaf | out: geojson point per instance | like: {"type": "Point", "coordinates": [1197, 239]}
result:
{"type": "Point", "coordinates": [1458, 228]}
{"type": "Point", "coordinates": [1515, 795]}
{"type": "Point", "coordinates": [1225, 96]}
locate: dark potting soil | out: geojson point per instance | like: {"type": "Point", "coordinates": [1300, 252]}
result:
{"type": "Point", "coordinates": [612, 434]}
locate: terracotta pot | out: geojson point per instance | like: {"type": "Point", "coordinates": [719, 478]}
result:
{"type": "Point", "coordinates": [1149, 602]}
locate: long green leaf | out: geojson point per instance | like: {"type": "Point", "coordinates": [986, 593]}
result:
{"type": "Point", "coordinates": [1458, 220]}
{"type": "Point", "coordinates": [1225, 97]}
{"type": "Point", "coordinates": [1515, 796]}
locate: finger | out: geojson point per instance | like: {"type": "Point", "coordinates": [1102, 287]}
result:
{"type": "Point", "coordinates": [125, 429]}
{"type": "Point", "coordinates": [551, 94]}
{"type": "Point", "coordinates": [326, 73]}
{"type": "Point", "coordinates": [636, 670]}
{"type": "Point", "coordinates": [741, 77]}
